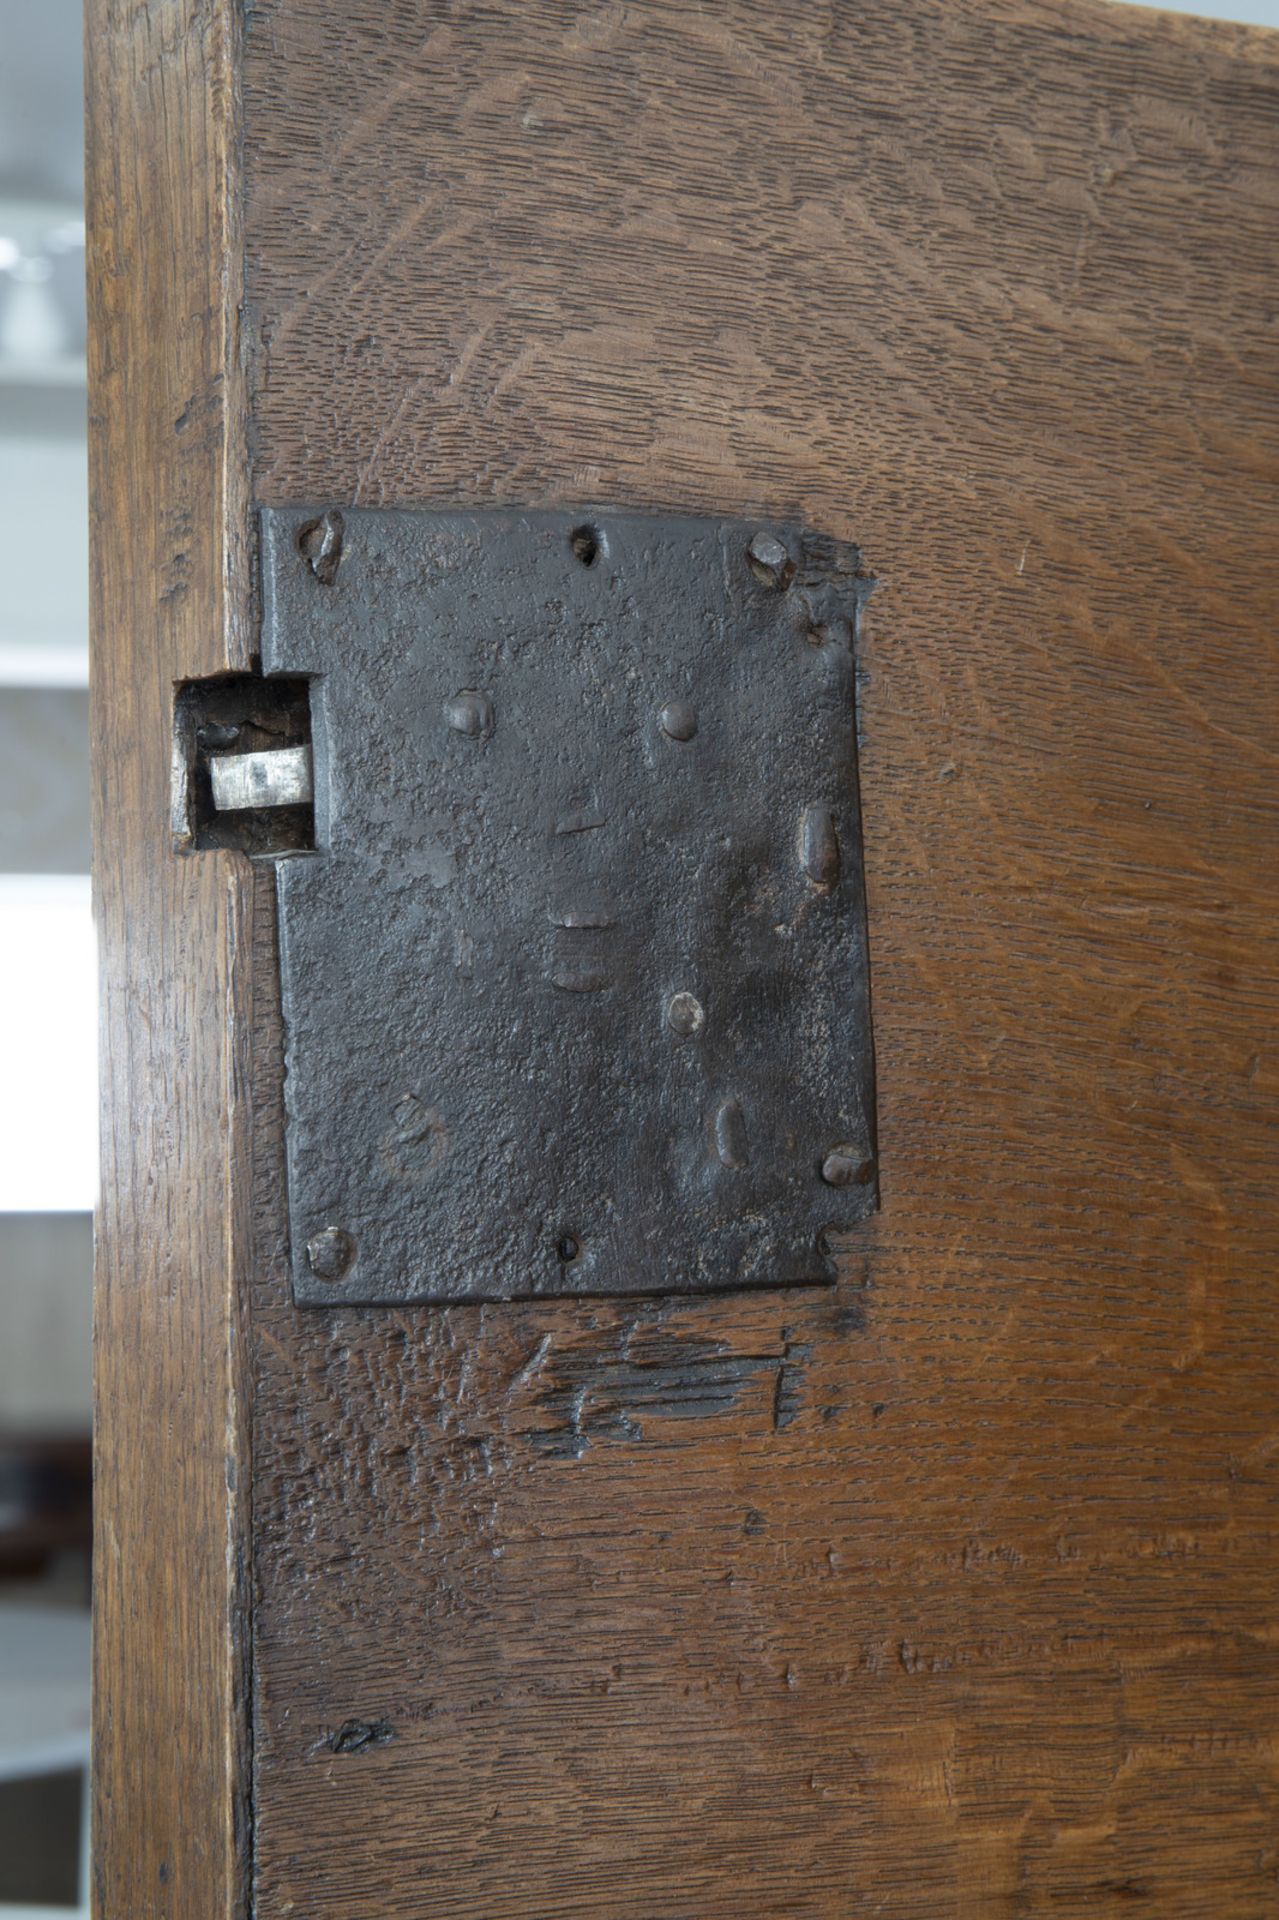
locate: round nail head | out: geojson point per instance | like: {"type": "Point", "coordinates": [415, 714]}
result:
{"type": "Point", "coordinates": [847, 1166]}
{"type": "Point", "coordinates": [685, 1016]}
{"type": "Point", "coordinates": [678, 720]}
{"type": "Point", "coordinates": [470, 713]}
{"type": "Point", "coordinates": [770, 562]}
{"type": "Point", "coordinates": [330, 1252]}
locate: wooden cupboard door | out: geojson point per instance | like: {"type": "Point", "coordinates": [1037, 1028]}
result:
{"type": "Point", "coordinates": [944, 1591]}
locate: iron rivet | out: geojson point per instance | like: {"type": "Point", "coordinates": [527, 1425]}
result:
{"type": "Point", "coordinates": [770, 562]}
{"type": "Point", "coordinates": [847, 1166]}
{"type": "Point", "coordinates": [685, 1016]}
{"type": "Point", "coordinates": [330, 1252]}
{"type": "Point", "coordinates": [678, 720]}
{"type": "Point", "coordinates": [568, 1247]}
{"type": "Point", "coordinates": [470, 713]}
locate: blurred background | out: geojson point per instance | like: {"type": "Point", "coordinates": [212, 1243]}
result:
{"type": "Point", "coordinates": [48, 1165]}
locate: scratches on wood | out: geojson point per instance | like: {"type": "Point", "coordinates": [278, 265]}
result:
{"type": "Point", "coordinates": [646, 1374]}
{"type": "Point", "coordinates": [787, 1396]}
{"type": "Point", "coordinates": [952, 1594]}
{"type": "Point", "coordinates": [357, 1736]}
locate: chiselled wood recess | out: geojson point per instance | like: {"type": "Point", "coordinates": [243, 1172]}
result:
{"type": "Point", "coordinates": [943, 1592]}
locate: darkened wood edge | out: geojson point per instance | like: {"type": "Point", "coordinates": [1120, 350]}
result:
{"type": "Point", "coordinates": [169, 586]}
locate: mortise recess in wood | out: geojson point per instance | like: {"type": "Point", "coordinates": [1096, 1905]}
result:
{"type": "Point", "coordinates": [169, 593]}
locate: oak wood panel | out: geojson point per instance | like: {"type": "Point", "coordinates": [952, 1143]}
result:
{"type": "Point", "coordinates": [168, 483]}
{"type": "Point", "coordinates": [950, 1593]}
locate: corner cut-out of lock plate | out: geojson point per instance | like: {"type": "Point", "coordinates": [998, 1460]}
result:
{"type": "Point", "coordinates": [575, 982]}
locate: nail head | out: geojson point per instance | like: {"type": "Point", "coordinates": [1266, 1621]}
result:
{"type": "Point", "coordinates": [320, 544]}
{"type": "Point", "coordinates": [329, 1253]}
{"type": "Point", "coordinates": [678, 720]}
{"type": "Point", "coordinates": [848, 1165]}
{"type": "Point", "coordinates": [685, 1016]}
{"type": "Point", "coordinates": [770, 562]}
{"type": "Point", "coordinates": [470, 713]}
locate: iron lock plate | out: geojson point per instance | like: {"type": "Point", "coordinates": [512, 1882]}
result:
{"type": "Point", "coordinates": [575, 983]}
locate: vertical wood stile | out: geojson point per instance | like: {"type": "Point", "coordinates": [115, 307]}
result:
{"type": "Point", "coordinates": [169, 586]}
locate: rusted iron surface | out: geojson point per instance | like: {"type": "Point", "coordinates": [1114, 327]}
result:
{"type": "Point", "coordinates": [575, 984]}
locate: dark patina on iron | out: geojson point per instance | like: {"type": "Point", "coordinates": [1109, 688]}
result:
{"type": "Point", "coordinates": [575, 982]}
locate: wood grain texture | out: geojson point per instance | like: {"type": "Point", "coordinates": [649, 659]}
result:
{"type": "Point", "coordinates": [168, 478]}
{"type": "Point", "coordinates": [951, 1594]}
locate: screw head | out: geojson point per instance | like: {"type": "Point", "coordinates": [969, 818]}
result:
{"type": "Point", "coordinates": [770, 562]}
{"type": "Point", "coordinates": [329, 1253]}
{"type": "Point", "coordinates": [470, 713]}
{"type": "Point", "coordinates": [678, 720]}
{"type": "Point", "coordinates": [848, 1165]}
{"type": "Point", "coordinates": [685, 1016]}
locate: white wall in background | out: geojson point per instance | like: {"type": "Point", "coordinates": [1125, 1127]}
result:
{"type": "Point", "coordinates": [44, 562]}
{"type": "Point", "coordinates": [48, 1045]}
{"type": "Point", "coordinates": [1254, 13]}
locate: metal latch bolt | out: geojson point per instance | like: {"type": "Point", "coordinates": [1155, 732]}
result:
{"type": "Point", "coordinates": [278, 778]}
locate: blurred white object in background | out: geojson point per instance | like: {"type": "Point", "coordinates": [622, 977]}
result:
{"type": "Point", "coordinates": [41, 298]}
